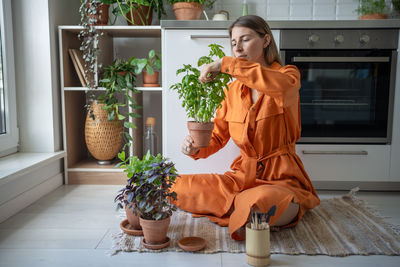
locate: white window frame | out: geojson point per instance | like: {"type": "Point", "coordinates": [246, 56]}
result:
{"type": "Point", "coordinates": [9, 140]}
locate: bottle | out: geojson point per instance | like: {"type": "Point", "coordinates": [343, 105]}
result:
{"type": "Point", "coordinates": [150, 137]}
{"type": "Point", "coordinates": [245, 8]}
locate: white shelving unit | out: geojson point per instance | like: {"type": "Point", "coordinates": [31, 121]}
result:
{"type": "Point", "coordinates": [79, 166]}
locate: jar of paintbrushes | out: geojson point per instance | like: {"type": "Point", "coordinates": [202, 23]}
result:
{"type": "Point", "coordinates": [257, 238]}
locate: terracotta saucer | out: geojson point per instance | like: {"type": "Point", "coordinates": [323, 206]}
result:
{"type": "Point", "coordinates": [128, 229]}
{"type": "Point", "coordinates": [192, 243]}
{"type": "Point", "coordinates": [156, 246]}
{"type": "Point", "coordinates": [151, 85]}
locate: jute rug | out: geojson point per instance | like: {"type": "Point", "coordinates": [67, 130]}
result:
{"type": "Point", "coordinates": [337, 227]}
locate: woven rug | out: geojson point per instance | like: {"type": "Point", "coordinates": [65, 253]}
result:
{"type": "Point", "coordinates": [337, 227]}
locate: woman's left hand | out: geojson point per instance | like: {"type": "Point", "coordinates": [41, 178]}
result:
{"type": "Point", "coordinates": [209, 71]}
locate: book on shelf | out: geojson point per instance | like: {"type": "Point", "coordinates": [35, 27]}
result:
{"type": "Point", "coordinates": [79, 64]}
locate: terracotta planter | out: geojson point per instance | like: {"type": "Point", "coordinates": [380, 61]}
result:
{"type": "Point", "coordinates": [133, 219]}
{"type": "Point", "coordinates": [103, 8]}
{"type": "Point", "coordinates": [200, 132]}
{"type": "Point", "coordinates": [103, 138]}
{"type": "Point", "coordinates": [187, 11]}
{"type": "Point", "coordinates": [150, 80]}
{"type": "Point", "coordinates": [155, 232]}
{"type": "Point", "coordinates": [139, 16]}
{"type": "Point", "coordinates": [373, 16]}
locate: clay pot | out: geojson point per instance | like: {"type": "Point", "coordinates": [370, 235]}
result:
{"type": "Point", "coordinates": [187, 11]}
{"type": "Point", "coordinates": [103, 138]}
{"type": "Point", "coordinates": [139, 16]}
{"type": "Point", "coordinates": [155, 232]}
{"type": "Point", "coordinates": [133, 219]}
{"type": "Point", "coordinates": [150, 80]}
{"type": "Point", "coordinates": [200, 132]}
{"type": "Point", "coordinates": [373, 16]}
{"type": "Point", "coordinates": [103, 10]}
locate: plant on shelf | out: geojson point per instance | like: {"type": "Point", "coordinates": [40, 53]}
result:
{"type": "Point", "coordinates": [137, 12]}
{"type": "Point", "coordinates": [150, 73]}
{"type": "Point", "coordinates": [189, 9]}
{"type": "Point", "coordinates": [396, 5]}
{"type": "Point", "coordinates": [148, 193]}
{"type": "Point", "coordinates": [118, 81]}
{"type": "Point", "coordinates": [201, 100]}
{"type": "Point", "coordinates": [372, 9]}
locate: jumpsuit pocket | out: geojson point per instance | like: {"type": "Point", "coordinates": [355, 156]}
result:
{"type": "Point", "coordinates": [236, 120]}
{"type": "Point", "coordinates": [269, 108]}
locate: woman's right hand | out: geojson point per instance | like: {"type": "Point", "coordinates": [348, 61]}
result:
{"type": "Point", "coordinates": [187, 146]}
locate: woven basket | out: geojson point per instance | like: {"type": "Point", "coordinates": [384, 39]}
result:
{"type": "Point", "coordinates": [103, 138]}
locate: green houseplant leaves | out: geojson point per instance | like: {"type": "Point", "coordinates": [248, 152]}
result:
{"type": "Point", "coordinates": [202, 100]}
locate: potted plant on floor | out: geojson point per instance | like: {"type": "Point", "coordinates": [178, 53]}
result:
{"type": "Point", "coordinates": [137, 12]}
{"type": "Point", "coordinates": [201, 100]}
{"type": "Point", "coordinates": [189, 9]}
{"type": "Point", "coordinates": [151, 180]}
{"type": "Point", "coordinates": [372, 9]}
{"type": "Point", "coordinates": [104, 126]}
{"type": "Point", "coordinates": [150, 75]}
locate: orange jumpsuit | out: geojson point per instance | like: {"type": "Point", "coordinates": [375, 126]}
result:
{"type": "Point", "coordinates": [268, 172]}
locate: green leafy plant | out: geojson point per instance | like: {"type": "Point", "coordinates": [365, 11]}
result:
{"type": "Point", "coordinates": [371, 7]}
{"type": "Point", "coordinates": [206, 3]}
{"type": "Point", "coordinates": [201, 100]}
{"type": "Point", "coordinates": [89, 37]}
{"type": "Point", "coordinates": [124, 7]}
{"type": "Point", "coordinates": [153, 62]}
{"type": "Point", "coordinates": [148, 189]}
{"type": "Point", "coordinates": [119, 81]}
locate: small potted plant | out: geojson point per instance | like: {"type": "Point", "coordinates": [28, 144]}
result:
{"type": "Point", "coordinates": [189, 9]}
{"type": "Point", "coordinates": [137, 12]}
{"type": "Point", "coordinates": [372, 9]}
{"type": "Point", "coordinates": [150, 181]}
{"type": "Point", "coordinates": [201, 100]}
{"type": "Point", "coordinates": [150, 75]}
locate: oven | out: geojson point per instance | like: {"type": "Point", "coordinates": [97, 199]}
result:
{"type": "Point", "coordinates": [347, 83]}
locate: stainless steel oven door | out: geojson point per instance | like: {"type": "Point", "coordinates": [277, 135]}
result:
{"type": "Point", "coordinates": [346, 96]}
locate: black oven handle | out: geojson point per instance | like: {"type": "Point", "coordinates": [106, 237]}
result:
{"type": "Point", "coordinates": [340, 59]}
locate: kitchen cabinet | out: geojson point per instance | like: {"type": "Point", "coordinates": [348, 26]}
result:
{"type": "Point", "coordinates": [116, 42]}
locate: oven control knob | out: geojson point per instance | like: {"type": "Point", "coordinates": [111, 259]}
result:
{"type": "Point", "coordinates": [364, 39]}
{"type": "Point", "coordinates": [313, 38]}
{"type": "Point", "coordinates": [339, 39]}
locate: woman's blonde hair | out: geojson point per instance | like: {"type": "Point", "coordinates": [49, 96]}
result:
{"type": "Point", "coordinates": [260, 26]}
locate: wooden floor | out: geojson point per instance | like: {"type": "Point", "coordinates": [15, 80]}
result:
{"type": "Point", "coordinates": [72, 227]}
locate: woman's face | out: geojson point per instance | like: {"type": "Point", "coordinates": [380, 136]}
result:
{"type": "Point", "coordinates": [247, 43]}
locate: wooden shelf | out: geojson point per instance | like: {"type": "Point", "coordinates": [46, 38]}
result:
{"type": "Point", "coordinates": [90, 165]}
{"type": "Point", "coordinates": [83, 89]}
{"type": "Point", "coordinates": [122, 31]}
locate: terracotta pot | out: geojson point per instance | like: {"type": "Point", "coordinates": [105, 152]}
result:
{"type": "Point", "coordinates": [155, 232]}
{"type": "Point", "coordinates": [133, 219]}
{"type": "Point", "coordinates": [150, 80]}
{"type": "Point", "coordinates": [200, 132]}
{"type": "Point", "coordinates": [103, 138]}
{"type": "Point", "coordinates": [139, 16]}
{"type": "Point", "coordinates": [373, 16]}
{"type": "Point", "coordinates": [187, 11]}
{"type": "Point", "coordinates": [104, 14]}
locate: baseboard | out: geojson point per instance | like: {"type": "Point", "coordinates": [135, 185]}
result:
{"type": "Point", "coordinates": [26, 198]}
{"type": "Point", "coordinates": [364, 186]}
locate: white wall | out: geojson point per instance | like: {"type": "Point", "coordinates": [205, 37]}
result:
{"type": "Point", "coordinates": [36, 65]}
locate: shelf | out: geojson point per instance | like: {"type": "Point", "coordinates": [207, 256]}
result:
{"type": "Point", "coordinates": [122, 31]}
{"type": "Point", "coordinates": [84, 89]}
{"type": "Point", "coordinates": [90, 165]}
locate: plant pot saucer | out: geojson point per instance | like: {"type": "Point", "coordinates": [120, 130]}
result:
{"type": "Point", "coordinates": [156, 246]}
{"type": "Point", "coordinates": [151, 85]}
{"type": "Point", "coordinates": [129, 230]}
{"type": "Point", "coordinates": [192, 243]}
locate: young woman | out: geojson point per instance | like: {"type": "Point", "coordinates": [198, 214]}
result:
{"type": "Point", "coordinates": [261, 113]}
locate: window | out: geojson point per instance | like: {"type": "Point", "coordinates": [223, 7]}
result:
{"type": "Point", "coordinates": [8, 109]}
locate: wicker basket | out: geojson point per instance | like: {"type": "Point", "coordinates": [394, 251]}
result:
{"type": "Point", "coordinates": [103, 138]}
